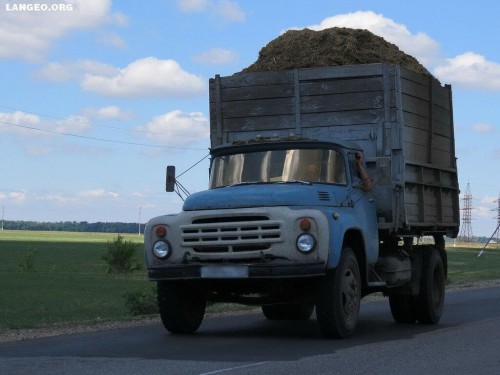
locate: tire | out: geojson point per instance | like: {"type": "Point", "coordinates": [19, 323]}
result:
{"type": "Point", "coordinates": [441, 248]}
{"type": "Point", "coordinates": [299, 311]}
{"type": "Point", "coordinates": [403, 308]}
{"type": "Point", "coordinates": [181, 305]}
{"type": "Point", "coordinates": [337, 307]}
{"type": "Point", "coordinates": [432, 284]}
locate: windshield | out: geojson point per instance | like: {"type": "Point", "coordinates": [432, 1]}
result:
{"type": "Point", "coordinates": [312, 165]}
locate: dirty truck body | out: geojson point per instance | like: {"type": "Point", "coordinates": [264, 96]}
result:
{"type": "Point", "coordinates": [286, 223]}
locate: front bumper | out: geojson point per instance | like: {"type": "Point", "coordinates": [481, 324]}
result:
{"type": "Point", "coordinates": [273, 269]}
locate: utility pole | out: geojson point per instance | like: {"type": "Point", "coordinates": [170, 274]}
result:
{"type": "Point", "coordinates": [3, 213]}
{"type": "Point", "coordinates": [498, 218]}
{"type": "Point", "coordinates": [465, 234]}
{"type": "Point", "coordinates": [140, 208]}
{"type": "Point", "coordinates": [497, 230]}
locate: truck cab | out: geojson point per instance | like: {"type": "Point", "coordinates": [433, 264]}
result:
{"type": "Point", "coordinates": [274, 220]}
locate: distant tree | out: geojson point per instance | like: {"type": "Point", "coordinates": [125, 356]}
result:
{"type": "Point", "coordinates": [73, 226]}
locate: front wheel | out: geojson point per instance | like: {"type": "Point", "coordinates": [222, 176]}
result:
{"type": "Point", "coordinates": [182, 306]}
{"type": "Point", "coordinates": [337, 307]}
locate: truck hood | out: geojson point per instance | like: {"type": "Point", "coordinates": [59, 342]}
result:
{"type": "Point", "coordinates": [258, 195]}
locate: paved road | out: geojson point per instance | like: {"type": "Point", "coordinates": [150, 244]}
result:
{"type": "Point", "coordinates": [467, 341]}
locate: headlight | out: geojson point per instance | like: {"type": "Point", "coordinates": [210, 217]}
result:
{"type": "Point", "coordinates": [162, 249]}
{"type": "Point", "coordinates": [306, 243]}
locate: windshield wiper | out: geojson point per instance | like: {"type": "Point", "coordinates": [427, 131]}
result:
{"type": "Point", "coordinates": [247, 183]}
{"type": "Point", "coordinates": [271, 182]}
{"type": "Point", "coordinates": [295, 182]}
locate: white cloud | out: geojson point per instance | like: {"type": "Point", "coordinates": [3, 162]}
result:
{"type": "Point", "coordinates": [228, 11]}
{"type": "Point", "coordinates": [98, 193]}
{"type": "Point", "coordinates": [114, 40]}
{"type": "Point", "coordinates": [484, 210]}
{"type": "Point", "coordinates": [118, 19]}
{"type": "Point", "coordinates": [177, 128]}
{"type": "Point", "coordinates": [9, 121]}
{"type": "Point", "coordinates": [418, 45]}
{"type": "Point", "coordinates": [109, 112]}
{"type": "Point", "coordinates": [14, 196]}
{"type": "Point", "coordinates": [38, 150]}
{"type": "Point", "coordinates": [112, 112]}
{"type": "Point", "coordinates": [19, 123]}
{"type": "Point", "coordinates": [69, 70]}
{"type": "Point", "coordinates": [29, 35]}
{"type": "Point", "coordinates": [470, 70]}
{"type": "Point", "coordinates": [57, 198]}
{"type": "Point", "coordinates": [189, 6]}
{"type": "Point", "coordinates": [71, 124]}
{"type": "Point", "coordinates": [216, 56]}
{"type": "Point", "coordinates": [26, 125]}
{"type": "Point", "coordinates": [488, 201]}
{"type": "Point", "coordinates": [148, 77]}
{"type": "Point", "coordinates": [83, 197]}
{"type": "Point", "coordinates": [483, 128]}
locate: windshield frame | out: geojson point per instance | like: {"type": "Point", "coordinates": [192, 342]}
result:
{"type": "Point", "coordinates": [228, 150]}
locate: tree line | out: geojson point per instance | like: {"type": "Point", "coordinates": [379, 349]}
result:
{"type": "Point", "coordinates": [73, 226]}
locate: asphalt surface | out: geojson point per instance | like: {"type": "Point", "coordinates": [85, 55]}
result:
{"type": "Point", "coordinates": [467, 341]}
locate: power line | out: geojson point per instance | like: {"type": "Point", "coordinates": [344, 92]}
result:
{"type": "Point", "coordinates": [194, 165]}
{"type": "Point", "coordinates": [97, 139]}
{"type": "Point", "coordinates": [97, 125]}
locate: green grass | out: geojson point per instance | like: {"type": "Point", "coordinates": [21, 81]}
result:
{"type": "Point", "coordinates": [464, 265]}
{"type": "Point", "coordinates": [68, 282]}
{"type": "Point", "coordinates": [54, 278]}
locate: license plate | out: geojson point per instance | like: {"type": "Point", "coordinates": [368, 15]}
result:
{"type": "Point", "coordinates": [224, 272]}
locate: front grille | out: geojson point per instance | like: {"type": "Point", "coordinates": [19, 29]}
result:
{"type": "Point", "coordinates": [231, 234]}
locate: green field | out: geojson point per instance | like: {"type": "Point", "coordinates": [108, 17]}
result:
{"type": "Point", "coordinates": [464, 265]}
{"type": "Point", "coordinates": [53, 278]}
{"type": "Point", "coordinates": [68, 282]}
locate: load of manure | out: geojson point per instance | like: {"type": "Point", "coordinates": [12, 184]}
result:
{"type": "Point", "coordinates": [335, 46]}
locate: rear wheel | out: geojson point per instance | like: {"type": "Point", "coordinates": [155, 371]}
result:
{"type": "Point", "coordinates": [182, 306]}
{"type": "Point", "coordinates": [439, 244]}
{"type": "Point", "coordinates": [432, 284]}
{"type": "Point", "coordinates": [298, 311]}
{"type": "Point", "coordinates": [403, 308]}
{"type": "Point", "coordinates": [337, 308]}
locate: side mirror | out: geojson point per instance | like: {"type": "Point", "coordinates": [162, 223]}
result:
{"type": "Point", "coordinates": [170, 178]}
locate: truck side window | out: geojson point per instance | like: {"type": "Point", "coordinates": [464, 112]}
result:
{"type": "Point", "coordinates": [335, 170]}
{"type": "Point", "coordinates": [359, 175]}
{"type": "Point", "coordinates": [356, 178]}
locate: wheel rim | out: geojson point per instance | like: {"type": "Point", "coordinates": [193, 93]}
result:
{"type": "Point", "coordinates": [350, 295]}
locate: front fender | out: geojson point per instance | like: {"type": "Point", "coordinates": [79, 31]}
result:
{"type": "Point", "coordinates": [344, 219]}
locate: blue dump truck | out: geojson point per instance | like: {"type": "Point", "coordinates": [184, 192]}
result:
{"type": "Point", "coordinates": [290, 222]}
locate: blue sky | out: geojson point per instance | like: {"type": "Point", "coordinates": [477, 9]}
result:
{"type": "Point", "coordinates": [97, 97]}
